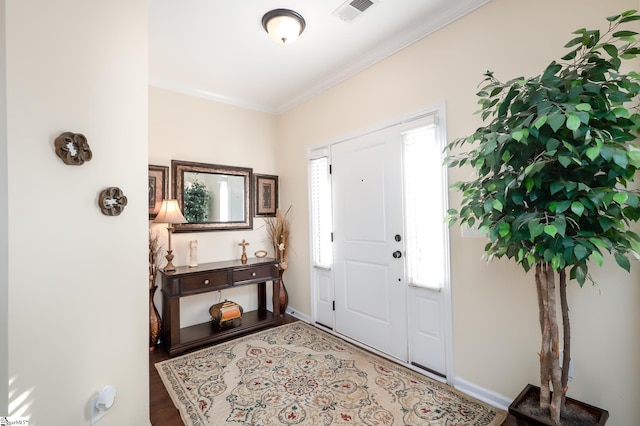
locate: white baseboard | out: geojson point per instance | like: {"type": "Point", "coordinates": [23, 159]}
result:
{"type": "Point", "coordinates": [297, 314]}
{"type": "Point", "coordinates": [484, 395]}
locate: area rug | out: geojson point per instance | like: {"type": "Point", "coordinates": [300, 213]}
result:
{"type": "Point", "coordinates": [296, 374]}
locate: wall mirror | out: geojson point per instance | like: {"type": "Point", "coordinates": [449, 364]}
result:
{"type": "Point", "coordinates": [212, 197]}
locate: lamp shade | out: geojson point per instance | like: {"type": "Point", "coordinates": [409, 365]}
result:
{"type": "Point", "coordinates": [283, 25]}
{"type": "Point", "coordinates": [170, 213]}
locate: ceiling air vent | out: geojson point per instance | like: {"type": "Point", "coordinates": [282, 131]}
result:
{"type": "Point", "coordinates": [351, 9]}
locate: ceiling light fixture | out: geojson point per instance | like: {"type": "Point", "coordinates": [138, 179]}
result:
{"type": "Point", "coordinates": [283, 25]}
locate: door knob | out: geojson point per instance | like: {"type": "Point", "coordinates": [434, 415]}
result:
{"type": "Point", "coordinates": [397, 254]}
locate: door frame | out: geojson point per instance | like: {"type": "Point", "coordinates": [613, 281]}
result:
{"type": "Point", "coordinates": [314, 273]}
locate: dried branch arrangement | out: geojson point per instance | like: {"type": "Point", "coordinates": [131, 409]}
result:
{"type": "Point", "coordinates": [278, 230]}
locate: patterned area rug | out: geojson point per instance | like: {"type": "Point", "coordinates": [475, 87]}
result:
{"type": "Point", "coordinates": [296, 374]}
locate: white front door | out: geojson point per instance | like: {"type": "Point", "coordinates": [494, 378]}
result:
{"type": "Point", "coordinates": [371, 293]}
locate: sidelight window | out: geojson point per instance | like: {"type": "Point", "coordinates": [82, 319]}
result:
{"type": "Point", "coordinates": [424, 201]}
{"type": "Point", "coordinates": [321, 212]}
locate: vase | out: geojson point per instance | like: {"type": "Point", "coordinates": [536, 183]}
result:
{"type": "Point", "coordinates": [155, 322]}
{"type": "Point", "coordinates": [283, 296]}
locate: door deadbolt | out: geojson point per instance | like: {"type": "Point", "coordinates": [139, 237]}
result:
{"type": "Point", "coordinates": [398, 238]}
{"type": "Point", "coordinates": [397, 254]}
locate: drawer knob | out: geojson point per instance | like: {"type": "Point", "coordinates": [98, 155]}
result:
{"type": "Point", "coordinates": [253, 274]}
{"type": "Point", "coordinates": [206, 282]}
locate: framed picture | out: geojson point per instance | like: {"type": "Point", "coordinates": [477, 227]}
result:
{"type": "Point", "coordinates": [158, 188]}
{"type": "Point", "coordinates": [266, 194]}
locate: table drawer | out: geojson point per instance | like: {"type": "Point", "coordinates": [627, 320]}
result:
{"type": "Point", "coordinates": [252, 274]}
{"type": "Point", "coordinates": [204, 282]}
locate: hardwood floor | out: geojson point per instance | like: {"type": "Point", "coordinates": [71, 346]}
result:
{"type": "Point", "coordinates": [164, 413]}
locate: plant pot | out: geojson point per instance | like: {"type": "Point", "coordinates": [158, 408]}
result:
{"type": "Point", "coordinates": [526, 409]}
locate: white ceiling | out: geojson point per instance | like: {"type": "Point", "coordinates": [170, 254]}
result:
{"type": "Point", "coordinates": [218, 49]}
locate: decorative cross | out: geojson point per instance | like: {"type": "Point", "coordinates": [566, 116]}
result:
{"type": "Point", "coordinates": [244, 245]}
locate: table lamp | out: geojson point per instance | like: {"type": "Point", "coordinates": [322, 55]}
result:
{"type": "Point", "coordinates": [170, 213]}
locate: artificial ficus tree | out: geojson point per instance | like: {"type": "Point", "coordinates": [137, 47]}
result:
{"type": "Point", "coordinates": [553, 166]}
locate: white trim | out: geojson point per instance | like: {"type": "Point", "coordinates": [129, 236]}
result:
{"type": "Point", "coordinates": [314, 154]}
{"type": "Point", "coordinates": [448, 293]}
{"type": "Point", "coordinates": [438, 107]}
{"type": "Point", "coordinates": [484, 395]}
{"type": "Point", "coordinates": [241, 103]}
{"type": "Point", "coordinates": [297, 314]}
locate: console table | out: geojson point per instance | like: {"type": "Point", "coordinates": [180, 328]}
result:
{"type": "Point", "coordinates": [186, 281]}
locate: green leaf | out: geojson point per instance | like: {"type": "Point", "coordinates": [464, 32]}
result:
{"type": "Point", "coordinates": [535, 229]}
{"type": "Point", "coordinates": [598, 257]}
{"type": "Point", "coordinates": [623, 261]}
{"type": "Point", "coordinates": [531, 259]}
{"type": "Point", "coordinates": [625, 33]}
{"type": "Point", "coordinates": [550, 230]}
{"type": "Point", "coordinates": [583, 107]}
{"type": "Point", "coordinates": [488, 205]}
{"type": "Point", "coordinates": [593, 152]}
{"type": "Point", "coordinates": [528, 183]}
{"type": "Point", "coordinates": [634, 158]}
{"type": "Point", "coordinates": [561, 225]}
{"type": "Point", "coordinates": [621, 112]}
{"type": "Point", "coordinates": [517, 135]}
{"type": "Point", "coordinates": [598, 242]}
{"type": "Point", "coordinates": [580, 251]}
{"type": "Point", "coordinates": [611, 49]}
{"type": "Point", "coordinates": [605, 223]}
{"type": "Point", "coordinates": [564, 160]}
{"type": "Point", "coordinates": [517, 198]}
{"type": "Point", "coordinates": [620, 197]}
{"type": "Point", "coordinates": [552, 144]}
{"type": "Point", "coordinates": [577, 208]}
{"type": "Point", "coordinates": [573, 122]}
{"type": "Point", "coordinates": [556, 186]}
{"type": "Point", "coordinates": [497, 205]}
{"type": "Point", "coordinates": [630, 18]}
{"type": "Point", "coordinates": [579, 273]}
{"type": "Point", "coordinates": [556, 121]}
{"type": "Point", "coordinates": [620, 158]}
{"type": "Point", "coordinates": [562, 206]}
{"type": "Point", "coordinates": [503, 229]}
{"type": "Point", "coordinates": [540, 122]}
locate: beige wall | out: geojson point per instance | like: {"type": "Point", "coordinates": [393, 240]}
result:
{"type": "Point", "coordinates": [186, 128]}
{"type": "Point", "coordinates": [77, 287]}
{"type": "Point", "coordinates": [495, 311]}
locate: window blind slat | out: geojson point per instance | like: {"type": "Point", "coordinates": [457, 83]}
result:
{"type": "Point", "coordinates": [321, 213]}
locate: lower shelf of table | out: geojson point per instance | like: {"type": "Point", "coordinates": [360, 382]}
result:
{"type": "Point", "coordinates": [206, 333]}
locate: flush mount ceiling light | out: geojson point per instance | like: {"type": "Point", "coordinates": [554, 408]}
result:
{"type": "Point", "coordinates": [283, 25]}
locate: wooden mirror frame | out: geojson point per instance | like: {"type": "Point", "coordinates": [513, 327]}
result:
{"type": "Point", "coordinates": [178, 169]}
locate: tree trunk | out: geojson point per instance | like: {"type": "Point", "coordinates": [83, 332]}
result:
{"type": "Point", "coordinates": [542, 288]}
{"type": "Point", "coordinates": [552, 376]}
{"type": "Point", "coordinates": [566, 337]}
{"type": "Point", "coordinates": [554, 362]}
